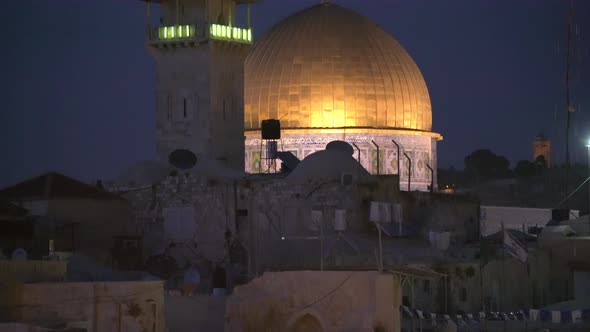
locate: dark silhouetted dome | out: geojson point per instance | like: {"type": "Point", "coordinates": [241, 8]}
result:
{"type": "Point", "coordinates": [327, 165]}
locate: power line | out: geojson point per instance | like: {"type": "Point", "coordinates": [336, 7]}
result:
{"type": "Point", "coordinates": [328, 294]}
{"type": "Point", "coordinates": [572, 193]}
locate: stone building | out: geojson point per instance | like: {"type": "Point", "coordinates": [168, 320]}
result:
{"type": "Point", "coordinates": [199, 54]}
{"type": "Point", "coordinates": [311, 218]}
{"type": "Point", "coordinates": [290, 301]}
{"type": "Point", "coordinates": [66, 215]}
{"type": "Point", "coordinates": [131, 306]}
{"type": "Point", "coordinates": [351, 82]}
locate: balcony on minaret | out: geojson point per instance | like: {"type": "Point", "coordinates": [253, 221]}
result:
{"type": "Point", "coordinates": [176, 34]}
{"type": "Point", "coordinates": [229, 33]}
{"type": "Point", "coordinates": [183, 35]}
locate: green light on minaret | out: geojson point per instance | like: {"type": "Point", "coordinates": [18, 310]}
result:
{"type": "Point", "coordinates": [228, 33]}
{"type": "Point", "coordinates": [176, 32]}
{"type": "Point", "coordinates": [216, 31]}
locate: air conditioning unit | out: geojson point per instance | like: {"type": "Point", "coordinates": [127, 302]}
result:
{"type": "Point", "coordinates": [346, 179]}
{"type": "Point", "coordinates": [385, 212]}
{"type": "Point", "coordinates": [340, 220]}
{"type": "Point", "coordinates": [396, 213]}
{"type": "Point", "coordinates": [316, 220]}
{"type": "Point", "coordinates": [374, 212]}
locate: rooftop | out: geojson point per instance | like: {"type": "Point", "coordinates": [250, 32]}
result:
{"type": "Point", "coordinates": [54, 186]}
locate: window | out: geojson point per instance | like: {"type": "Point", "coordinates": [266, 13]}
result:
{"type": "Point", "coordinates": [51, 246]}
{"type": "Point", "coordinates": [463, 294]}
{"type": "Point", "coordinates": [224, 109]}
{"type": "Point", "coordinates": [184, 107]}
{"type": "Point", "coordinates": [169, 107]}
{"type": "Point", "coordinates": [130, 244]}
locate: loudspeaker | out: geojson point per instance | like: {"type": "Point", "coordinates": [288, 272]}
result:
{"type": "Point", "coordinates": [271, 129]}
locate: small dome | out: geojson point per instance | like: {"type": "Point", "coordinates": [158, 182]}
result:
{"type": "Point", "coordinates": [340, 146]}
{"type": "Point", "coordinates": [327, 165]}
{"type": "Point", "coordinates": [329, 67]}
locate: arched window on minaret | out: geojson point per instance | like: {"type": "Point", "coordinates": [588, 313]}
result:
{"type": "Point", "coordinates": [223, 108]}
{"type": "Point", "coordinates": [169, 106]}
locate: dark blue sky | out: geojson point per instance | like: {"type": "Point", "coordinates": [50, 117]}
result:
{"type": "Point", "coordinates": [77, 84]}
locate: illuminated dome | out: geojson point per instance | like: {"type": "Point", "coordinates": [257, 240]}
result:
{"type": "Point", "coordinates": [329, 74]}
{"type": "Point", "coordinates": [329, 67]}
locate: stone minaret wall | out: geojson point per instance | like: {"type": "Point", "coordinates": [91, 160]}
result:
{"type": "Point", "coordinates": [200, 84]}
{"type": "Point", "coordinates": [542, 147]}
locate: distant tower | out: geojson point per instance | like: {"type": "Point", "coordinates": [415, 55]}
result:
{"type": "Point", "coordinates": [199, 54]}
{"type": "Point", "coordinates": [542, 147]}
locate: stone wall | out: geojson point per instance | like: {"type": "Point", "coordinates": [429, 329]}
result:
{"type": "Point", "coordinates": [257, 212]}
{"type": "Point", "coordinates": [32, 271]}
{"type": "Point", "coordinates": [200, 97]}
{"type": "Point", "coordinates": [492, 218]}
{"type": "Point", "coordinates": [284, 232]}
{"type": "Point", "coordinates": [268, 222]}
{"type": "Point", "coordinates": [97, 223]}
{"type": "Point", "coordinates": [195, 313]}
{"type": "Point", "coordinates": [106, 306]}
{"type": "Point", "coordinates": [214, 210]}
{"type": "Point", "coordinates": [427, 212]}
{"type": "Point", "coordinates": [504, 284]}
{"type": "Point", "coordinates": [316, 301]}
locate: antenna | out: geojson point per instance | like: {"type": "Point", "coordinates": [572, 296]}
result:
{"type": "Point", "coordinates": [568, 106]}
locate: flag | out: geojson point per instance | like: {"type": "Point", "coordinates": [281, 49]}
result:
{"type": "Point", "coordinates": [514, 248]}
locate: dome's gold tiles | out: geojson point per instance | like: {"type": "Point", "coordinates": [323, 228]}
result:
{"type": "Point", "coordinates": [328, 67]}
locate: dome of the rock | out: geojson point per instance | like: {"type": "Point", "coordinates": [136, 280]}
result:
{"type": "Point", "coordinates": [329, 67]}
{"type": "Point", "coordinates": [328, 73]}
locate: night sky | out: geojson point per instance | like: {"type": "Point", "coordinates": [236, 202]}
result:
{"type": "Point", "coordinates": [77, 87]}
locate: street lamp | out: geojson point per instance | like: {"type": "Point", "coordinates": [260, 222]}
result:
{"type": "Point", "coordinates": [588, 146]}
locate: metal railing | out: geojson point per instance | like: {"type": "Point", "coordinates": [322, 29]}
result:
{"type": "Point", "coordinates": [229, 33]}
{"type": "Point", "coordinates": [178, 32]}
{"type": "Point", "coordinates": [191, 32]}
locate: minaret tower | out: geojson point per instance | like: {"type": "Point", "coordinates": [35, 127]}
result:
{"type": "Point", "coordinates": [199, 54]}
{"type": "Point", "coordinates": [542, 147]}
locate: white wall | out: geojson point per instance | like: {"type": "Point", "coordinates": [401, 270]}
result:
{"type": "Point", "coordinates": [492, 217]}
{"type": "Point", "coordinates": [581, 285]}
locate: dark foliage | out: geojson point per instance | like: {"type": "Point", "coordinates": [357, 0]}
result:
{"type": "Point", "coordinates": [483, 165]}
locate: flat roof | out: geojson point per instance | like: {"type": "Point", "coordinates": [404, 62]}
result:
{"type": "Point", "coordinates": [404, 270]}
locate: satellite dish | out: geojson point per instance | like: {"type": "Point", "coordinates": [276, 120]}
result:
{"type": "Point", "coordinates": [182, 159]}
{"type": "Point", "coordinates": [19, 254]}
{"type": "Point", "coordinates": [340, 146]}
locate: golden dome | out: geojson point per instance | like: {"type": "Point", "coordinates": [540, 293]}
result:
{"type": "Point", "coordinates": [329, 67]}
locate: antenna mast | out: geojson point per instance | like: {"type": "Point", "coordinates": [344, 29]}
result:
{"type": "Point", "coordinates": [569, 108]}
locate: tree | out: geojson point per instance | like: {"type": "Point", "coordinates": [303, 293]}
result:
{"type": "Point", "coordinates": [540, 162]}
{"type": "Point", "coordinates": [483, 164]}
{"type": "Point", "coordinates": [525, 169]}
